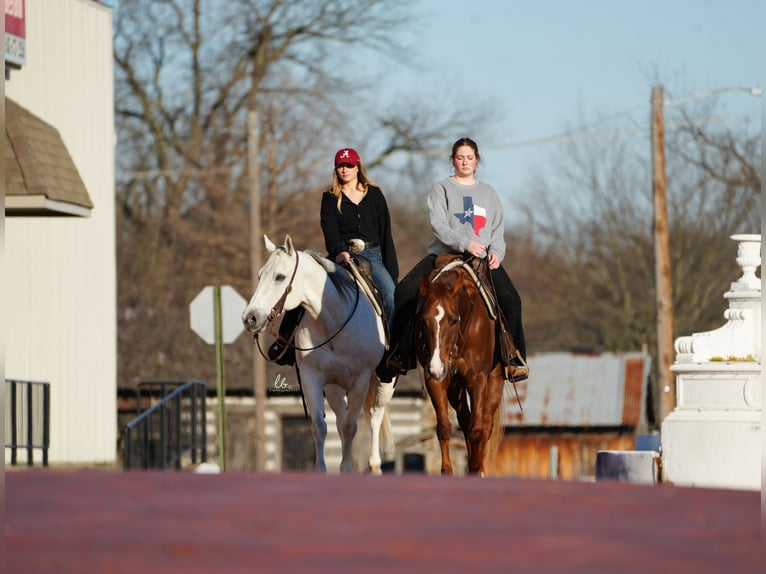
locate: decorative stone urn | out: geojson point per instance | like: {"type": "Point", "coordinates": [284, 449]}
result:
{"type": "Point", "coordinates": [713, 437]}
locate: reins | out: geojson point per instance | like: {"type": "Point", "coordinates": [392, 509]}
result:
{"type": "Point", "coordinates": [276, 311]}
{"type": "Point", "coordinates": [279, 306]}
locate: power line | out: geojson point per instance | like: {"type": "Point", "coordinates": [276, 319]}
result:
{"type": "Point", "coordinates": [588, 134]}
{"type": "Point", "coordinates": [753, 91]}
{"type": "Point", "coordinates": [585, 131]}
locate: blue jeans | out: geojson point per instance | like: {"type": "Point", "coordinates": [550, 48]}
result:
{"type": "Point", "coordinates": [382, 279]}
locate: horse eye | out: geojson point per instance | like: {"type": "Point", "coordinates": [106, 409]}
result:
{"type": "Point", "coordinates": [280, 277]}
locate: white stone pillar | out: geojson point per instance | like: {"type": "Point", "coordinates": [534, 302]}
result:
{"type": "Point", "coordinates": [713, 437]}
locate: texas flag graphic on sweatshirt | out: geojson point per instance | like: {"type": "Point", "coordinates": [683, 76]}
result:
{"type": "Point", "coordinates": [476, 215]}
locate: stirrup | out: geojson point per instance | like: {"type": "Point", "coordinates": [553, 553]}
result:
{"type": "Point", "coordinates": [515, 373]}
{"type": "Point", "coordinates": [396, 363]}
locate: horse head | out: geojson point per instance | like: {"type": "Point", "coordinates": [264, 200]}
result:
{"type": "Point", "coordinates": [274, 293]}
{"type": "Point", "coordinates": [439, 323]}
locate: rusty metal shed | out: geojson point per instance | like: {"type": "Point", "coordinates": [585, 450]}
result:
{"type": "Point", "coordinates": [573, 405]}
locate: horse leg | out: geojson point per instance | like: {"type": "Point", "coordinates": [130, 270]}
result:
{"type": "Point", "coordinates": [336, 398]}
{"type": "Point", "coordinates": [485, 404]}
{"type": "Point", "coordinates": [347, 428]}
{"type": "Point", "coordinates": [477, 432]}
{"type": "Point", "coordinates": [458, 398]}
{"type": "Point", "coordinates": [443, 426]}
{"type": "Point", "coordinates": [314, 398]}
{"type": "Point", "coordinates": [383, 394]}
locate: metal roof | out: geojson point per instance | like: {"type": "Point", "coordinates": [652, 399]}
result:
{"type": "Point", "coordinates": [577, 390]}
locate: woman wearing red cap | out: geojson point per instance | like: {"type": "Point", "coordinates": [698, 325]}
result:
{"type": "Point", "coordinates": [355, 220]}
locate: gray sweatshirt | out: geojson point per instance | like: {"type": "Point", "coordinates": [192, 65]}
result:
{"type": "Point", "coordinates": [459, 214]}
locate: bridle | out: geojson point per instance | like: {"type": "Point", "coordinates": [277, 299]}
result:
{"type": "Point", "coordinates": [279, 306]}
{"type": "Point", "coordinates": [459, 338]}
{"type": "Point", "coordinates": [278, 309]}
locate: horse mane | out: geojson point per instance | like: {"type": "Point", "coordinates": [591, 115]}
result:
{"type": "Point", "coordinates": [339, 277]}
{"type": "Point", "coordinates": [448, 277]}
{"type": "Point", "coordinates": [471, 272]}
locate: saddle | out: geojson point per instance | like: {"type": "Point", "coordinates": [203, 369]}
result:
{"type": "Point", "coordinates": [449, 261]}
{"type": "Point", "coordinates": [361, 270]}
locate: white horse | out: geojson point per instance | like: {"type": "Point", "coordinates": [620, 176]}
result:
{"type": "Point", "coordinates": [339, 342]}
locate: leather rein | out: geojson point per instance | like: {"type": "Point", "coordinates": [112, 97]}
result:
{"type": "Point", "coordinates": [278, 309]}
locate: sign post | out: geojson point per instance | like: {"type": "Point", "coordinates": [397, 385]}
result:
{"type": "Point", "coordinates": [221, 327]}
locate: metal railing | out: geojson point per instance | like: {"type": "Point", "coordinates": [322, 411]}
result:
{"type": "Point", "coordinates": [171, 432]}
{"type": "Point", "coordinates": [27, 418]}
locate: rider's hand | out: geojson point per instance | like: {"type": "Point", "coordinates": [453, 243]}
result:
{"type": "Point", "coordinates": [494, 261]}
{"type": "Point", "coordinates": [343, 258]}
{"type": "Point", "coordinates": [477, 249]}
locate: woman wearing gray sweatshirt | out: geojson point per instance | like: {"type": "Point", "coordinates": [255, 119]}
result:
{"type": "Point", "coordinates": [466, 216]}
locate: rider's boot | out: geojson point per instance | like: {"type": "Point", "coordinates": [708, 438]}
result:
{"type": "Point", "coordinates": [517, 370]}
{"type": "Point", "coordinates": [281, 351]}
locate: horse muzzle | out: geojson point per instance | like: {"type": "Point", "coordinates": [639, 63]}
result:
{"type": "Point", "coordinates": [252, 322]}
{"type": "Point", "coordinates": [437, 369]}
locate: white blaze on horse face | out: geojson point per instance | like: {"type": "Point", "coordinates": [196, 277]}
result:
{"type": "Point", "coordinates": [435, 365]}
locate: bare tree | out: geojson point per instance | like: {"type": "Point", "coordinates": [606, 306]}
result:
{"type": "Point", "coordinates": [587, 281]}
{"type": "Point", "coordinates": [187, 73]}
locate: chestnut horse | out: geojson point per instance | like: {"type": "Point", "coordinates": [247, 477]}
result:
{"type": "Point", "coordinates": [455, 342]}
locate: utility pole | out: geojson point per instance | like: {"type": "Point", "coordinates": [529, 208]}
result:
{"type": "Point", "coordinates": [256, 247]}
{"type": "Point", "coordinates": [666, 389]}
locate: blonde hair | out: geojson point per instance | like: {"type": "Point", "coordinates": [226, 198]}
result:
{"type": "Point", "coordinates": [363, 182]}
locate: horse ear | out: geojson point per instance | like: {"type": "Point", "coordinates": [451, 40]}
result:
{"type": "Point", "coordinates": [269, 244]}
{"type": "Point", "coordinates": [289, 244]}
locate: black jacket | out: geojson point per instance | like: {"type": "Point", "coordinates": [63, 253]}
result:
{"type": "Point", "coordinates": [369, 221]}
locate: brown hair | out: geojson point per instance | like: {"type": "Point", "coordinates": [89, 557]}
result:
{"type": "Point", "coordinates": [465, 141]}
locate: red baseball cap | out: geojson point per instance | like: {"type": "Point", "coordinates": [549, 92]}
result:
{"type": "Point", "coordinates": [347, 155]}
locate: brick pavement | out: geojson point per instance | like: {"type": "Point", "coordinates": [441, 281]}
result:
{"type": "Point", "coordinates": [103, 522]}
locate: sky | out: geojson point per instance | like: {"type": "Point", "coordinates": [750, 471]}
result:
{"type": "Point", "coordinates": [555, 65]}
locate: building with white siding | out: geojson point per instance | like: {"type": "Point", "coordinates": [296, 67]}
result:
{"type": "Point", "coordinates": [60, 261]}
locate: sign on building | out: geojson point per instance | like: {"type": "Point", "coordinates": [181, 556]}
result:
{"type": "Point", "coordinates": [15, 34]}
